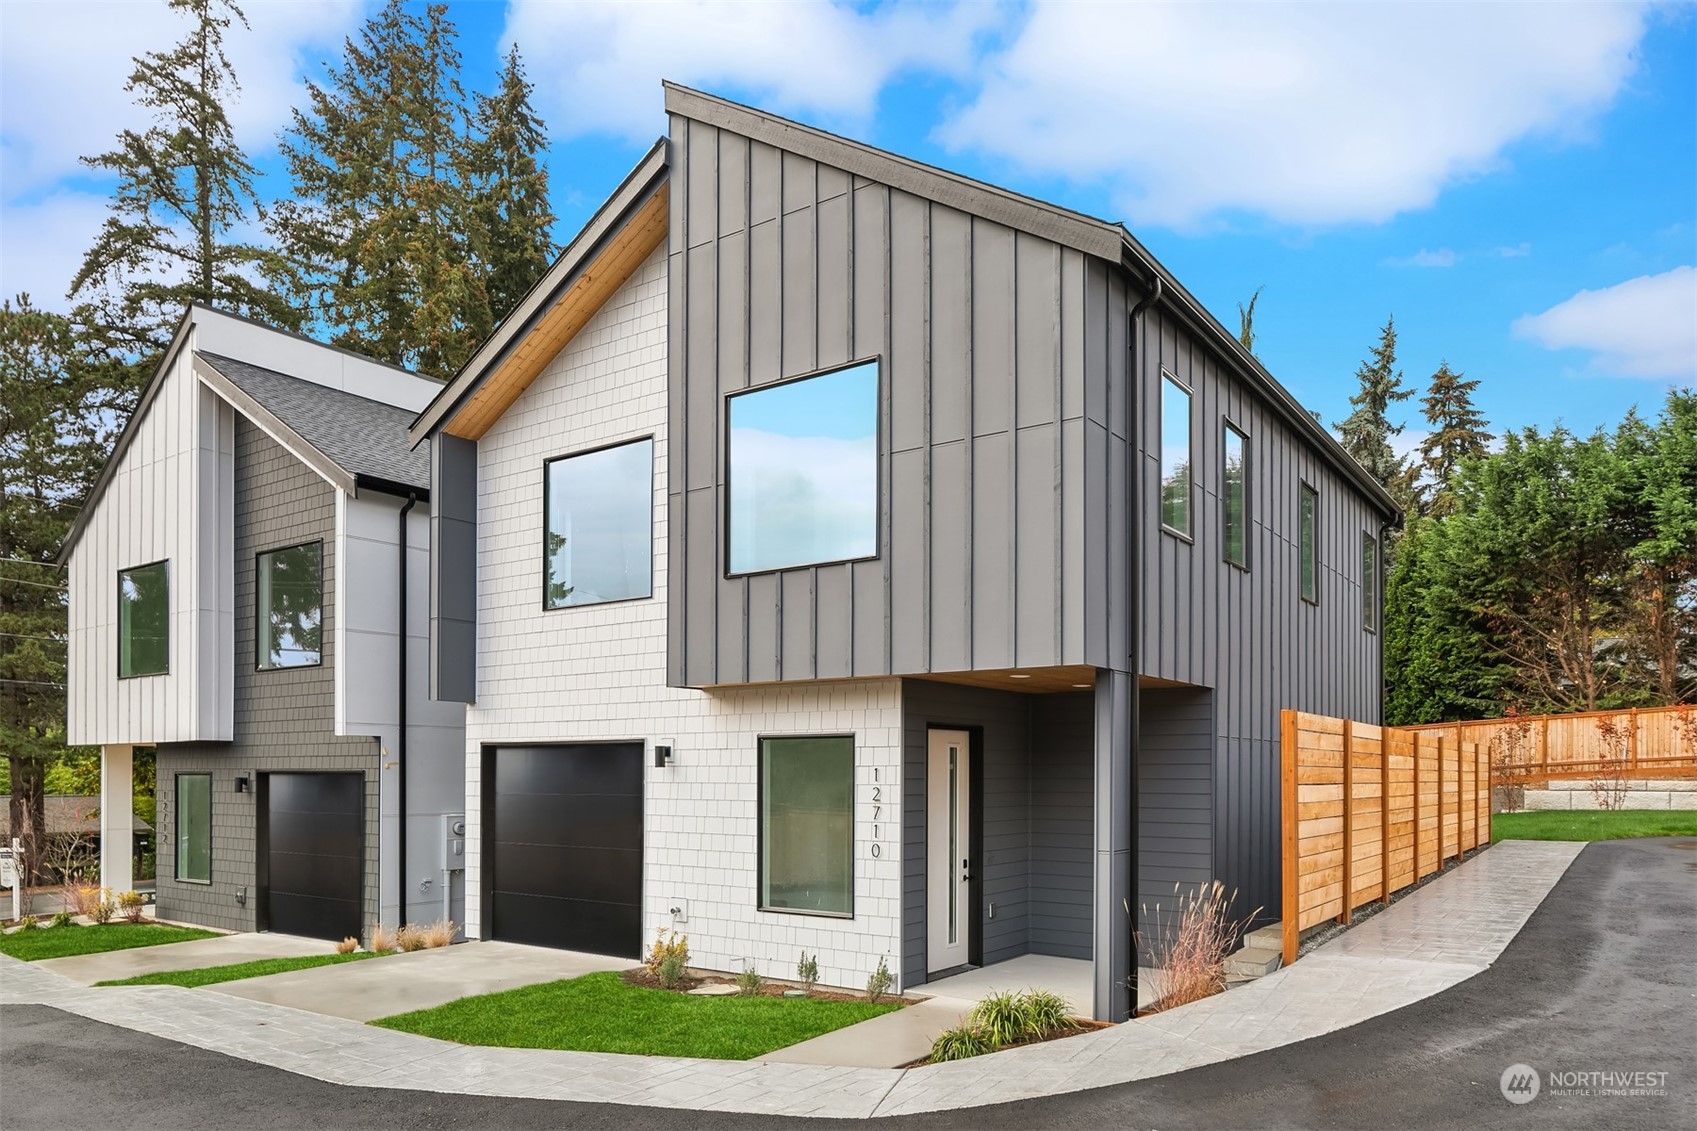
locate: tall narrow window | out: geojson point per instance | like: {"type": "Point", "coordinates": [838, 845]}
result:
{"type": "Point", "coordinates": [289, 603]}
{"type": "Point", "coordinates": [1234, 480]}
{"type": "Point", "coordinates": [803, 462]}
{"type": "Point", "coordinates": [144, 621]}
{"type": "Point", "coordinates": [1310, 544]}
{"type": "Point", "coordinates": [1175, 456]}
{"type": "Point", "coordinates": [807, 825]}
{"type": "Point", "coordinates": [1369, 582]}
{"type": "Point", "coordinates": [194, 828]}
{"type": "Point", "coordinates": [599, 541]}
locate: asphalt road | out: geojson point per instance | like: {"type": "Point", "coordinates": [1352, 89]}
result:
{"type": "Point", "coordinates": [1604, 977]}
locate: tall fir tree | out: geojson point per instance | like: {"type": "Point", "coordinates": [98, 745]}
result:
{"type": "Point", "coordinates": [56, 417]}
{"type": "Point", "coordinates": [1246, 320]}
{"type": "Point", "coordinates": [1458, 432]}
{"type": "Point", "coordinates": [1366, 432]}
{"type": "Point", "coordinates": [185, 189]}
{"type": "Point", "coordinates": [512, 220]}
{"type": "Point", "coordinates": [378, 235]}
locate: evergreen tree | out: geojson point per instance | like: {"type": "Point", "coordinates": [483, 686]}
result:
{"type": "Point", "coordinates": [511, 218]}
{"type": "Point", "coordinates": [378, 238]}
{"type": "Point", "coordinates": [1458, 432]}
{"type": "Point", "coordinates": [184, 188]}
{"type": "Point", "coordinates": [1366, 433]}
{"type": "Point", "coordinates": [1246, 320]}
{"type": "Point", "coordinates": [1438, 665]}
{"type": "Point", "coordinates": [55, 420]}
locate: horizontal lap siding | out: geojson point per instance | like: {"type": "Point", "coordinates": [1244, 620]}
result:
{"type": "Point", "coordinates": [779, 266]}
{"type": "Point", "coordinates": [1175, 813]}
{"type": "Point", "coordinates": [1062, 822]}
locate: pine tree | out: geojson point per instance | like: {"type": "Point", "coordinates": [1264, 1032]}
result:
{"type": "Point", "coordinates": [1457, 432]}
{"type": "Point", "coordinates": [511, 217]}
{"type": "Point", "coordinates": [1246, 320]}
{"type": "Point", "coordinates": [184, 189]}
{"type": "Point", "coordinates": [1366, 433]}
{"type": "Point", "coordinates": [56, 421]}
{"type": "Point", "coordinates": [377, 237]}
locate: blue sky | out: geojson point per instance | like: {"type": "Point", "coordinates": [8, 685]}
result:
{"type": "Point", "coordinates": [1517, 184]}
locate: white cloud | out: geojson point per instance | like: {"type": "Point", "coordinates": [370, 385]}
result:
{"type": "Point", "coordinates": [63, 68]}
{"type": "Point", "coordinates": [1310, 114]}
{"type": "Point", "coordinates": [1443, 257]}
{"type": "Point", "coordinates": [44, 242]}
{"type": "Point", "coordinates": [1517, 251]}
{"type": "Point", "coordinates": [598, 65]}
{"type": "Point", "coordinates": [1644, 327]}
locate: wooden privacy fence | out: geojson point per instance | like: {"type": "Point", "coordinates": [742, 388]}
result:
{"type": "Point", "coordinates": [1530, 750]}
{"type": "Point", "coordinates": [1369, 810]}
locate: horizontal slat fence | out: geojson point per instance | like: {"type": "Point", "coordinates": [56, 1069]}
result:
{"type": "Point", "coordinates": [1369, 810]}
{"type": "Point", "coordinates": [1531, 750]}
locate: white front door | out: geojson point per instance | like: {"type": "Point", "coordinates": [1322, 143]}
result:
{"type": "Point", "coordinates": [947, 866]}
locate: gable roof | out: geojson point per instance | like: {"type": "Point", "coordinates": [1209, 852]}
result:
{"type": "Point", "coordinates": [624, 231]}
{"type": "Point", "coordinates": [66, 813]}
{"type": "Point", "coordinates": [1103, 239]}
{"type": "Point", "coordinates": [350, 439]}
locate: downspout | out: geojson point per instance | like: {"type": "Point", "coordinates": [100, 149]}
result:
{"type": "Point", "coordinates": [1134, 600]}
{"type": "Point", "coordinates": [401, 715]}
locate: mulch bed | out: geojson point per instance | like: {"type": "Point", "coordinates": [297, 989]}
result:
{"type": "Point", "coordinates": [693, 979]}
{"type": "Point", "coordinates": [1079, 1027]}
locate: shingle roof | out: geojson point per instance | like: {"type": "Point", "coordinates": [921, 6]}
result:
{"type": "Point", "coordinates": [65, 814]}
{"type": "Point", "coordinates": [365, 438]}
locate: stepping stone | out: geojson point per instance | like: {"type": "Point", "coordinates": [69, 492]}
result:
{"type": "Point", "coordinates": [713, 991]}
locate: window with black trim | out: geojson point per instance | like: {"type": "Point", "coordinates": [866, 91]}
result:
{"type": "Point", "coordinates": [194, 828]}
{"type": "Point", "coordinates": [1175, 455]}
{"type": "Point", "coordinates": [1310, 544]}
{"type": "Point", "coordinates": [1369, 582]}
{"type": "Point", "coordinates": [288, 600]}
{"type": "Point", "coordinates": [807, 825]}
{"type": "Point", "coordinates": [144, 620]}
{"type": "Point", "coordinates": [1234, 491]}
{"type": "Point", "coordinates": [802, 460]}
{"type": "Point", "coordinates": [598, 522]}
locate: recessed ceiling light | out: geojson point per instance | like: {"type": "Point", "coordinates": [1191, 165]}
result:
{"type": "Point", "coordinates": [1018, 675]}
{"type": "Point", "coordinates": [1081, 685]}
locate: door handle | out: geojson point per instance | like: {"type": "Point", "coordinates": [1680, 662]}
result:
{"type": "Point", "coordinates": [965, 874]}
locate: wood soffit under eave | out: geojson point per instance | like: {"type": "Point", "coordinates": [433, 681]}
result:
{"type": "Point", "coordinates": [569, 313]}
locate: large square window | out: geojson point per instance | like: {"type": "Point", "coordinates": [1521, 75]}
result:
{"type": "Point", "coordinates": [803, 471]}
{"type": "Point", "coordinates": [194, 828]}
{"type": "Point", "coordinates": [1175, 456]}
{"type": "Point", "coordinates": [289, 601]}
{"type": "Point", "coordinates": [144, 621]}
{"type": "Point", "coordinates": [807, 825]}
{"type": "Point", "coordinates": [1235, 491]}
{"type": "Point", "coordinates": [599, 541]}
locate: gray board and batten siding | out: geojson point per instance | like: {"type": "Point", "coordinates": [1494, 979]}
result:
{"type": "Point", "coordinates": [1002, 364]}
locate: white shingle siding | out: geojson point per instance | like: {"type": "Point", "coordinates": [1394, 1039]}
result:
{"type": "Point", "coordinates": [598, 673]}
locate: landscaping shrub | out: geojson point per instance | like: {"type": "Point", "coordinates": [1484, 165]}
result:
{"type": "Point", "coordinates": [82, 899]}
{"type": "Point", "coordinates": [749, 982]}
{"type": "Point", "coordinates": [383, 940]}
{"type": "Point", "coordinates": [880, 982]}
{"type": "Point", "coordinates": [347, 945]}
{"type": "Point", "coordinates": [667, 944]}
{"type": "Point", "coordinates": [959, 1043]}
{"type": "Point", "coordinates": [27, 922]}
{"type": "Point", "coordinates": [62, 919]}
{"type": "Point", "coordinates": [671, 972]}
{"type": "Point", "coordinates": [438, 934]}
{"type": "Point", "coordinates": [410, 938]}
{"type": "Point", "coordinates": [132, 903]}
{"type": "Point", "coordinates": [103, 912]}
{"type": "Point", "coordinates": [807, 970]}
{"type": "Point", "coordinates": [1047, 1012]}
{"type": "Point", "coordinates": [1192, 944]}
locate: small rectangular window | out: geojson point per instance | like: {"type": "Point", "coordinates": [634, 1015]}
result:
{"type": "Point", "coordinates": [807, 825]}
{"type": "Point", "coordinates": [144, 621]}
{"type": "Point", "coordinates": [1310, 544]}
{"type": "Point", "coordinates": [194, 828]}
{"type": "Point", "coordinates": [289, 604]}
{"type": "Point", "coordinates": [1235, 491]}
{"type": "Point", "coordinates": [1369, 582]}
{"type": "Point", "coordinates": [803, 467]}
{"type": "Point", "coordinates": [1175, 456]}
{"type": "Point", "coordinates": [599, 509]}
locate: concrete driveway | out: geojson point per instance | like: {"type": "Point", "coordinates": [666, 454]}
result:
{"type": "Point", "coordinates": [401, 983]}
{"type": "Point", "coordinates": [221, 951]}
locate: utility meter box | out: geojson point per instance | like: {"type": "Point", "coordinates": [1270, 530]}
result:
{"type": "Point", "coordinates": [453, 842]}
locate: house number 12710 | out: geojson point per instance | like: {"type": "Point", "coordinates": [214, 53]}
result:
{"type": "Point", "coordinates": [877, 813]}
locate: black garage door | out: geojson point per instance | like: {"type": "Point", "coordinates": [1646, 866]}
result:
{"type": "Point", "coordinates": [564, 847]}
{"type": "Point", "coordinates": [313, 841]}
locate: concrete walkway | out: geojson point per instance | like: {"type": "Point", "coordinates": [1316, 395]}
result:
{"type": "Point", "coordinates": [422, 979]}
{"type": "Point", "coordinates": [1435, 938]}
{"type": "Point", "coordinates": [224, 950]}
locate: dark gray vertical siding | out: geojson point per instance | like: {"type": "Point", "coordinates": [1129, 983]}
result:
{"type": "Point", "coordinates": [1062, 752]}
{"type": "Point", "coordinates": [453, 569]}
{"type": "Point", "coordinates": [780, 266]}
{"type": "Point", "coordinates": [1175, 819]}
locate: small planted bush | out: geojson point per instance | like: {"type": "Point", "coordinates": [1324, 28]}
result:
{"type": "Point", "coordinates": [103, 911]}
{"type": "Point", "coordinates": [671, 972]}
{"type": "Point", "coordinates": [347, 945]}
{"type": "Point", "coordinates": [27, 922]}
{"type": "Point", "coordinates": [63, 919]}
{"type": "Point", "coordinates": [131, 904]}
{"type": "Point", "coordinates": [667, 944]}
{"type": "Point", "coordinates": [807, 971]}
{"type": "Point", "coordinates": [383, 940]}
{"type": "Point", "coordinates": [880, 982]}
{"type": "Point", "coordinates": [749, 982]}
{"type": "Point", "coordinates": [410, 938]}
{"type": "Point", "coordinates": [1004, 1019]}
{"type": "Point", "coordinates": [438, 934]}
{"type": "Point", "coordinates": [959, 1043]}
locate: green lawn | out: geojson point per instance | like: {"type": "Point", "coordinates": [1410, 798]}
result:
{"type": "Point", "coordinates": [236, 971]}
{"type": "Point", "coordinates": [601, 1013]}
{"type": "Point", "coordinates": [61, 942]}
{"type": "Point", "coordinates": [1585, 825]}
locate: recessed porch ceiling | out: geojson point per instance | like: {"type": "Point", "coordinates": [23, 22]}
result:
{"type": "Point", "coordinates": [1032, 681]}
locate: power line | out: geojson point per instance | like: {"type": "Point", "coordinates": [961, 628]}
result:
{"type": "Point", "coordinates": [33, 584]}
{"type": "Point", "coordinates": [32, 683]}
{"type": "Point", "coordinates": [33, 562]}
{"type": "Point", "coordinates": [46, 639]}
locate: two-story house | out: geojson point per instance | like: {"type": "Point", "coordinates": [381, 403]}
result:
{"type": "Point", "coordinates": [248, 589]}
{"type": "Point", "coordinates": [838, 554]}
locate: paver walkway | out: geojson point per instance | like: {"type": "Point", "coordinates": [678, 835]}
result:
{"type": "Point", "coordinates": [1435, 938]}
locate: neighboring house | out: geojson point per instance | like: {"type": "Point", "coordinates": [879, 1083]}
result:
{"type": "Point", "coordinates": [237, 581]}
{"type": "Point", "coordinates": [837, 554]}
{"type": "Point", "coordinates": [77, 815]}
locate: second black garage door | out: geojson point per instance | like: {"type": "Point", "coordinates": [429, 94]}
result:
{"type": "Point", "coordinates": [564, 846]}
{"type": "Point", "coordinates": [312, 846]}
